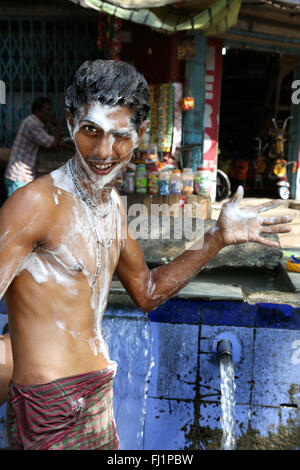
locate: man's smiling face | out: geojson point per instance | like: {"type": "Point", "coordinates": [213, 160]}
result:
{"type": "Point", "coordinates": [105, 138]}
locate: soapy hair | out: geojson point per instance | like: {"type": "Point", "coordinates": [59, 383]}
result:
{"type": "Point", "coordinates": [112, 83]}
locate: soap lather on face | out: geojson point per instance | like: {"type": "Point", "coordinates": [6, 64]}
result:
{"type": "Point", "coordinates": [107, 107]}
{"type": "Point", "coordinates": [105, 138]}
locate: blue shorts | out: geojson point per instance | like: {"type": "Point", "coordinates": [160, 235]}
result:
{"type": "Point", "coordinates": [12, 186]}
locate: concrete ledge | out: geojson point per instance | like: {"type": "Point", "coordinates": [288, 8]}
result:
{"type": "Point", "coordinates": [293, 204]}
{"type": "Point", "coordinates": [274, 297]}
{"type": "Point", "coordinates": [209, 290]}
{"type": "Point", "coordinates": [293, 279]}
{"type": "Point", "coordinates": [196, 289]}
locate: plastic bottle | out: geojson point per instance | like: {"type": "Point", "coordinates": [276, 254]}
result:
{"type": "Point", "coordinates": [141, 178]}
{"type": "Point", "coordinates": [188, 181]}
{"type": "Point", "coordinates": [197, 182]}
{"type": "Point", "coordinates": [202, 181]}
{"type": "Point", "coordinates": [164, 183]}
{"type": "Point", "coordinates": [153, 180]}
{"type": "Point", "coordinates": [175, 182]}
{"type": "Point", "coordinates": [128, 181]}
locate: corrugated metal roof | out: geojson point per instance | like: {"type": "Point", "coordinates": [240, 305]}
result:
{"type": "Point", "coordinates": [208, 16]}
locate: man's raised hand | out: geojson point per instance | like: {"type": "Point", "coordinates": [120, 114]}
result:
{"type": "Point", "coordinates": [240, 225]}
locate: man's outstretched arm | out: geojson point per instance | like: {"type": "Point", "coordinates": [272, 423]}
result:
{"type": "Point", "coordinates": [150, 288]}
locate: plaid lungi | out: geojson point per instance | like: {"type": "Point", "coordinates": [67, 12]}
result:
{"type": "Point", "coordinates": [70, 413]}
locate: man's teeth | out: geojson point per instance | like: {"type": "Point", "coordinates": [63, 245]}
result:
{"type": "Point", "coordinates": [102, 166]}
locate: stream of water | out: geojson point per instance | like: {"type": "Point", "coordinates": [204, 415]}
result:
{"type": "Point", "coordinates": [130, 345]}
{"type": "Point", "coordinates": [227, 403]}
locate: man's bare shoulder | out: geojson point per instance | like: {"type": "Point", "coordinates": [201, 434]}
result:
{"type": "Point", "coordinates": [36, 195]}
{"type": "Point", "coordinates": [30, 210]}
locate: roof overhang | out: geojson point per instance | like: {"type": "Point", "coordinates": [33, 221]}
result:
{"type": "Point", "coordinates": [210, 17]}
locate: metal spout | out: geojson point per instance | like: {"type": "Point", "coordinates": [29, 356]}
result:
{"type": "Point", "coordinates": [224, 347]}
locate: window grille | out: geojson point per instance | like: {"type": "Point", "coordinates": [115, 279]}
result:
{"type": "Point", "coordinates": [38, 57]}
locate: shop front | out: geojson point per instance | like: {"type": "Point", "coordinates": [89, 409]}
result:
{"type": "Point", "coordinates": [167, 168]}
{"type": "Point", "coordinates": [258, 132]}
{"type": "Point", "coordinates": [168, 46]}
{"type": "Point", "coordinates": [219, 104]}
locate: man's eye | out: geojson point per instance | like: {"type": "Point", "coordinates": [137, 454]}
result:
{"type": "Point", "coordinates": [122, 136]}
{"type": "Point", "coordinates": [90, 129]}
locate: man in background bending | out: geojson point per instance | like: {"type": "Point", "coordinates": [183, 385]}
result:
{"type": "Point", "coordinates": [22, 163]}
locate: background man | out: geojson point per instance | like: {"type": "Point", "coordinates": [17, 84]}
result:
{"type": "Point", "coordinates": [22, 163]}
{"type": "Point", "coordinates": [61, 239]}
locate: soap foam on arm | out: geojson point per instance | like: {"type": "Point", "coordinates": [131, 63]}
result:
{"type": "Point", "coordinates": [23, 224]}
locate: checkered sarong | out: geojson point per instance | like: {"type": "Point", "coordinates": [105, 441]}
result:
{"type": "Point", "coordinates": [70, 413]}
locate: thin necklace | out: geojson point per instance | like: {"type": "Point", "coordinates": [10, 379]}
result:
{"type": "Point", "coordinates": [91, 209]}
{"type": "Point", "coordinates": [84, 197]}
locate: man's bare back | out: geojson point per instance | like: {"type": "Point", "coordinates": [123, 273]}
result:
{"type": "Point", "coordinates": [55, 311]}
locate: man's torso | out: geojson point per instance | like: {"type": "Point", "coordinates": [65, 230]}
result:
{"type": "Point", "coordinates": [56, 303]}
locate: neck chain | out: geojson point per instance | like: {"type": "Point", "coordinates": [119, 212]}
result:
{"type": "Point", "coordinates": [91, 209]}
{"type": "Point", "coordinates": [84, 197]}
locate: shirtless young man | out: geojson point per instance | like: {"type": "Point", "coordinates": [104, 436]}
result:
{"type": "Point", "coordinates": [62, 238]}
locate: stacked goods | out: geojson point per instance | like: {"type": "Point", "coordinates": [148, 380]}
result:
{"type": "Point", "coordinates": [177, 128]}
{"type": "Point", "coordinates": [163, 113]}
{"type": "Point", "coordinates": [115, 38]}
{"type": "Point", "coordinates": [154, 94]}
{"type": "Point", "coordinates": [148, 178]}
{"type": "Point", "coordinates": [171, 112]}
{"type": "Point", "coordinates": [109, 39]}
{"type": "Point", "coordinates": [150, 115]}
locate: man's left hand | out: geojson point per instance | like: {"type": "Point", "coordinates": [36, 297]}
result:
{"type": "Point", "coordinates": [240, 225]}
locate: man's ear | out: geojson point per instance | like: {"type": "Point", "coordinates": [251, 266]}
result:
{"type": "Point", "coordinates": [142, 130]}
{"type": "Point", "coordinates": [70, 122]}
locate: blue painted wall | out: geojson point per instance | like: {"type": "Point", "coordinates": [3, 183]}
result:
{"type": "Point", "coordinates": [170, 357]}
{"type": "Point", "coordinates": [183, 408]}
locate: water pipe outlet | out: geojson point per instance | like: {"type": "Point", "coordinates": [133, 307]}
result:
{"type": "Point", "coordinates": [228, 342]}
{"type": "Point", "coordinates": [224, 347]}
